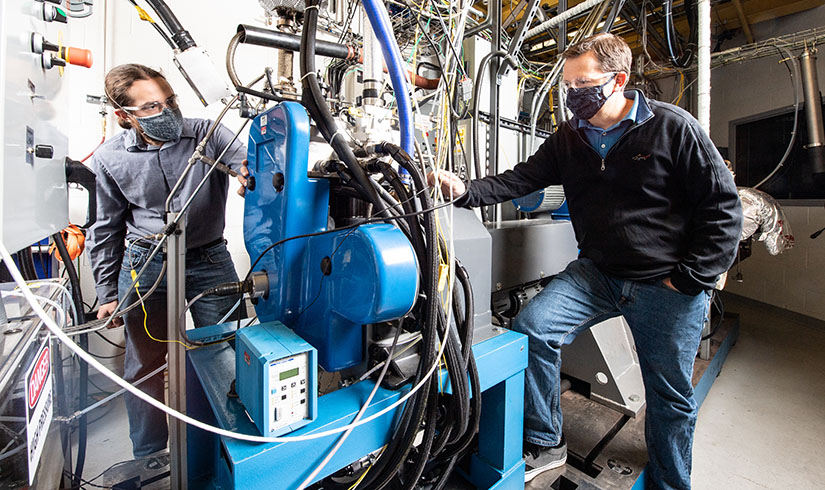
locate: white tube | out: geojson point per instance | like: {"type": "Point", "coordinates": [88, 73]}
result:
{"type": "Point", "coordinates": [62, 337]}
{"type": "Point", "coordinates": [703, 65]}
{"type": "Point", "coordinates": [67, 295]}
{"type": "Point", "coordinates": [57, 307]}
{"type": "Point", "coordinates": [229, 313]}
{"type": "Point", "coordinates": [112, 396]}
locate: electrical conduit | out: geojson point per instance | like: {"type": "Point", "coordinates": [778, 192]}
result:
{"type": "Point", "coordinates": [380, 22]}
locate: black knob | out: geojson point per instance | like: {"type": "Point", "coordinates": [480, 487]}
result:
{"type": "Point", "coordinates": [39, 44]}
{"type": "Point", "coordinates": [48, 61]}
{"type": "Point", "coordinates": [44, 151]}
{"type": "Point", "coordinates": [56, 14]}
{"type": "Point", "coordinates": [250, 183]}
{"type": "Point", "coordinates": [278, 181]}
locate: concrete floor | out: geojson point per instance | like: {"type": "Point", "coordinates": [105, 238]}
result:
{"type": "Point", "coordinates": [763, 424]}
{"type": "Point", "coordinates": [761, 427]}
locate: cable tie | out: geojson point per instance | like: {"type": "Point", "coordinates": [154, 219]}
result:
{"type": "Point", "coordinates": [337, 133]}
{"type": "Point", "coordinates": [308, 74]}
{"type": "Point", "coordinates": [311, 7]}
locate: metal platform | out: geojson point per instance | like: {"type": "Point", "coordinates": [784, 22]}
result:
{"type": "Point", "coordinates": [606, 449]}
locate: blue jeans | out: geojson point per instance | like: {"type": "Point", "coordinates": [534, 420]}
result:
{"type": "Point", "coordinates": [205, 268]}
{"type": "Point", "coordinates": [666, 327]}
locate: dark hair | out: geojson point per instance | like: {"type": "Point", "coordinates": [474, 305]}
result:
{"type": "Point", "coordinates": [611, 51]}
{"type": "Point", "coordinates": [120, 79]}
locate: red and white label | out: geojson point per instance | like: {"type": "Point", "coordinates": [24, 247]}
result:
{"type": "Point", "coordinates": [39, 405]}
{"type": "Point", "coordinates": [39, 377]}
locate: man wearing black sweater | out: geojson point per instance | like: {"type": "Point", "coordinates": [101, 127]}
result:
{"type": "Point", "coordinates": [657, 219]}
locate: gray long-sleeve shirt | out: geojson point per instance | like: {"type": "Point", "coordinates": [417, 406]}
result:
{"type": "Point", "coordinates": [133, 182]}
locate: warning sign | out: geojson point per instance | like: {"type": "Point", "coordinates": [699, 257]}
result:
{"type": "Point", "coordinates": [39, 404]}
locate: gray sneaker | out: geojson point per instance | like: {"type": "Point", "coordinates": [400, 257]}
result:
{"type": "Point", "coordinates": [539, 459]}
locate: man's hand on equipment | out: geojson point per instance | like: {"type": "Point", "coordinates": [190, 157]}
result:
{"type": "Point", "coordinates": [243, 173]}
{"type": "Point", "coordinates": [451, 184]}
{"type": "Point", "coordinates": [106, 311]}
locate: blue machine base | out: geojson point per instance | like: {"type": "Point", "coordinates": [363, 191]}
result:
{"type": "Point", "coordinates": [217, 462]}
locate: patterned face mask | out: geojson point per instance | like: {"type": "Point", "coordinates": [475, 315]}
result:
{"type": "Point", "coordinates": [165, 126]}
{"type": "Point", "coordinates": [585, 102]}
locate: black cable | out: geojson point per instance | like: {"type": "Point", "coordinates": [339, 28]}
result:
{"type": "Point", "coordinates": [716, 301]}
{"type": "Point", "coordinates": [314, 101]}
{"type": "Point", "coordinates": [482, 67]}
{"type": "Point", "coordinates": [106, 339]}
{"type": "Point", "coordinates": [139, 301]}
{"type": "Point", "coordinates": [27, 260]}
{"type": "Point", "coordinates": [353, 225]}
{"type": "Point", "coordinates": [395, 455]}
{"type": "Point", "coordinates": [321, 282]}
{"type": "Point", "coordinates": [77, 298]}
{"type": "Point", "coordinates": [104, 357]}
{"type": "Point", "coordinates": [686, 57]}
{"type": "Point", "coordinates": [160, 31]}
{"type": "Point", "coordinates": [183, 40]}
{"type": "Point", "coordinates": [263, 95]}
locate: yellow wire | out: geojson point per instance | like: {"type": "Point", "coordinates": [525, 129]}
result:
{"type": "Point", "coordinates": [144, 15]}
{"type": "Point", "coordinates": [361, 478]}
{"type": "Point", "coordinates": [146, 317]}
{"type": "Point", "coordinates": [681, 87]}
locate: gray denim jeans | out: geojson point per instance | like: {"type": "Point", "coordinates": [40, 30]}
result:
{"type": "Point", "coordinates": [205, 268]}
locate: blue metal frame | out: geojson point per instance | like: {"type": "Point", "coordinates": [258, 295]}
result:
{"type": "Point", "coordinates": [220, 462]}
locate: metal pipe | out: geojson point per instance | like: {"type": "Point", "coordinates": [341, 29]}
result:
{"type": "Point", "coordinates": [373, 64]}
{"type": "Point", "coordinates": [567, 14]}
{"type": "Point", "coordinates": [269, 38]}
{"type": "Point", "coordinates": [703, 66]}
{"type": "Point", "coordinates": [494, 212]}
{"type": "Point", "coordinates": [813, 110]}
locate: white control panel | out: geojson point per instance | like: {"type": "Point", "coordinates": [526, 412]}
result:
{"type": "Point", "coordinates": [289, 395]}
{"type": "Point", "coordinates": [33, 190]}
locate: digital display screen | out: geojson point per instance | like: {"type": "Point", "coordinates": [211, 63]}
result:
{"type": "Point", "coordinates": [289, 374]}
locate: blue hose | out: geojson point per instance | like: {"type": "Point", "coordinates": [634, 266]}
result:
{"type": "Point", "coordinates": [379, 20]}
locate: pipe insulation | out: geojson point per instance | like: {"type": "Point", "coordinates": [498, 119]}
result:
{"type": "Point", "coordinates": [813, 111]}
{"type": "Point", "coordinates": [259, 36]}
{"type": "Point", "coordinates": [703, 66]}
{"type": "Point", "coordinates": [567, 14]}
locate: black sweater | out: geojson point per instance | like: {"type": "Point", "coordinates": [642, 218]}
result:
{"type": "Point", "coordinates": [661, 203]}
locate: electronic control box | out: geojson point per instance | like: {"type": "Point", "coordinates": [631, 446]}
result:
{"type": "Point", "coordinates": [276, 374]}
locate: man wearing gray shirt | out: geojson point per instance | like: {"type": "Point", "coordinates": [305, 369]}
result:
{"type": "Point", "coordinates": [136, 171]}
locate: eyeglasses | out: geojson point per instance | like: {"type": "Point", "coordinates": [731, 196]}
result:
{"type": "Point", "coordinates": [586, 83]}
{"type": "Point", "coordinates": [152, 108]}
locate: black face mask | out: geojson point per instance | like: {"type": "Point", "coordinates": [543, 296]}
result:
{"type": "Point", "coordinates": [585, 102]}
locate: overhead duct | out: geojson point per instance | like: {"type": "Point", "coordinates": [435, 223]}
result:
{"type": "Point", "coordinates": [813, 114]}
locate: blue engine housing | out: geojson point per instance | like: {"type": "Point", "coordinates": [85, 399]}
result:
{"type": "Point", "coordinates": [324, 287]}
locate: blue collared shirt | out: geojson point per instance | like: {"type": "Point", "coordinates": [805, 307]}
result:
{"type": "Point", "coordinates": [604, 139]}
{"type": "Point", "coordinates": [133, 182]}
